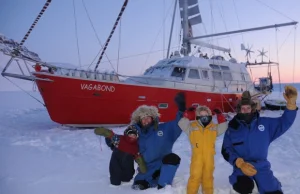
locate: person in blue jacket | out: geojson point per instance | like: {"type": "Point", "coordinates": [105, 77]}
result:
{"type": "Point", "coordinates": [246, 143]}
{"type": "Point", "coordinates": [155, 144]}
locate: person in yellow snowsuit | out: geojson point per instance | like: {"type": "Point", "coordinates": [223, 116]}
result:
{"type": "Point", "coordinates": [202, 133]}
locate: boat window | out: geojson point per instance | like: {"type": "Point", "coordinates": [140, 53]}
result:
{"type": "Point", "coordinates": [205, 74]}
{"type": "Point", "coordinates": [218, 57]}
{"type": "Point", "coordinates": [227, 76]}
{"type": "Point", "coordinates": [163, 105]}
{"type": "Point", "coordinates": [224, 67]}
{"type": "Point", "coordinates": [214, 66]}
{"type": "Point", "coordinates": [194, 74]}
{"type": "Point", "coordinates": [178, 72]}
{"type": "Point", "coordinates": [217, 75]}
{"type": "Point", "coordinates": [149, 71]}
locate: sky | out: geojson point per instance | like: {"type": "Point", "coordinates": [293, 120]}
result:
{"type": "Point", "coordinates": [145, 28]}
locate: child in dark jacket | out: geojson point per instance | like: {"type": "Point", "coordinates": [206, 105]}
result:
{"type": "Point", "coordinates": [125, 151]}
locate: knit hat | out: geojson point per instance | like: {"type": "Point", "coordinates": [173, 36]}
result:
{"type": "Point", "coordinates": [246, 100]}
{"type": "Point", "coordinates": [131, 130]}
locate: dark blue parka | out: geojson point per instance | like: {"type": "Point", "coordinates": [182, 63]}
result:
{"type": "Point", "coordinates": [154, 144]}
{"type": "Point", "coordinates": [251, 142]}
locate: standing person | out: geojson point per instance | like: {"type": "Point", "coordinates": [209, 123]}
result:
{"type": "Point", "coordinates": [125, 151]}
{"type": "Point", "coordinates": [156, 142]}
{"type": "Point", "coordinates": [246, 143]}
{"type": "Point", "coordinates": [202, 133]}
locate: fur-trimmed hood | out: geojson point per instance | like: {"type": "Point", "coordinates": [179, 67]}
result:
{"type": "Point", "coordinates": [203, 108]}
{"type": "Point", "coordinates": [144, 111]}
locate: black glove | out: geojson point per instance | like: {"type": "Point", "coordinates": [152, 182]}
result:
{"type": "Point", "coordinates": [180, 101]}
{"type": "Point", "coordinates": [217, 111]}
{"type": "Point", "coordinates": [192, 108]}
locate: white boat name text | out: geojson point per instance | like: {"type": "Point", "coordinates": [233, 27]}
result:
{"type": "Point", "coordinates": [98, 87]}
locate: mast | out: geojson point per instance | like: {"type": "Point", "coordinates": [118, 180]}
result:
{"type": "Point", "coordinates": [111, 33]}
{"type": "Point", "coordinates": [186, 46]}
{"type": "Point", "coordinates": [190, 16]}
{"type": "Point", "coordinates": [172, 26]}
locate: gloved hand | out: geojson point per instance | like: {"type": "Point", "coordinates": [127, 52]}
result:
{"type": "Point", "coordinates": [180, 101]}
{"type": "Point", "coordinates": [290, 95]}
{"type": "Point", "coordinates": [141, 162]}
{"type": "Point", "coordinates": [217, 111]}
{"type": "Point", "coordinates": [103, 132]}
{"type": "Point", "coordinates": [247, 168]}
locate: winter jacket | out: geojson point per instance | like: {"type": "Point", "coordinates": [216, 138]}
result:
{"type": "Point", "coordinates": [251, 141]}
{"type": "Point", "coordinates": [155, 143]}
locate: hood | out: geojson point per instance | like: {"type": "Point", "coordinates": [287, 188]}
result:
{"type": "Point", "coordinates": [203, 108]}
{"type": "Point", "coordinates": [144, 111]}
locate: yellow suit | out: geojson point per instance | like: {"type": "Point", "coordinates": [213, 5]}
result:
{"type": "Point", "coordinates": [202, 166]}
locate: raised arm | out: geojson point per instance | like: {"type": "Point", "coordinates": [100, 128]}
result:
{"type": "Point", "coordinates": [109, 135]}
{"type": "Point", "coordinates": [223, 125]}
{"type": "Point", "coordinates": [280, 125]}
{"type": "Point", "coordinates": [184, 124]}
{"type": "Point", "coordinates": [222, 128]}
{"type": "Point", "coordinates": [172, 127]}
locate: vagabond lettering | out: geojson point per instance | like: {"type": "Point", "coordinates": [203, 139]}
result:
{"type": "Point", "coordinates": [98, 87]}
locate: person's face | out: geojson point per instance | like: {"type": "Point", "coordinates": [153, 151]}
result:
{"type": "Point", "coordinates": [146, 120]}
{"type": "Point", "coordinates": [246, 109]}
{"type": "Point", "coordinates": [203, 113]}
{"type": "Point", "coordinates": [132, 136]}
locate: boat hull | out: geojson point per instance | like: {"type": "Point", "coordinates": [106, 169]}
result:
{"type": "Point", "coordinates": [84, 102]}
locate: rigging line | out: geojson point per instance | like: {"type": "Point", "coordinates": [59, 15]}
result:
{"type": "Point", "coordinates": [274, 10]}
{"type": "Point", "coordinates": [119, 46]}
{"type": "Point", "coordinates": [212, 23]}
{"type": "Point", "coordinates": [223, 19]}
{"type": "Point", "coordinates": [24, 91]}
{"type": "Point", "coordinates": [94, 29]}
{"type": "Point", "coordinates": [76, 33]}
{"type": "Point", "coordinates": [277, 58]}
{"type": "Point", "coordinates": [157, 36]}
{"type": "Point", "coordinates": [295, 36]}
{"type": "Point", "coordinates": [238, 19]}
{"type": "Point", "coordinates": [35, 22]}
{"type": "Point", "coordinates": [164, 5]}
{"type": "Point", "coordinates": [130, 56]}
{"type": "Point", "coordinates": [111, 34]}
{"type": "Point", "coordinates": [286, 39]}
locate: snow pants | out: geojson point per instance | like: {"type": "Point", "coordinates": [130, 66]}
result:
{"type": "Point", "coordinates": [264, 179]}
{"type": "Point", "coordinates": [201, 174]}
{"type": "Point", "coordinates": [121, 167]}
{"type": "Point", "coordinates": [160, 172]}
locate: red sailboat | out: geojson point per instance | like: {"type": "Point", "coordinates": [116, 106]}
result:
{"type": "Point", "coordinates": [87, 98]}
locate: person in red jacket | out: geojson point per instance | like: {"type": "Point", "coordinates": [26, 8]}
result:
{"type": "Point", "coordinates": [125, 151]}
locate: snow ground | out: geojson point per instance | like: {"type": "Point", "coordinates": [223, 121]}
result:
{"type": "Point", "coordinates": [40, 156]}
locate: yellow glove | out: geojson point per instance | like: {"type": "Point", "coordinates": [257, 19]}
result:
{"type": "Point", "coordinates": [141, 162]}
{"type": "Point", "coordinates": [103, 132]}
{"type": "Point", "coordinates": [247, 168]}
{"type": "Point", "coordinates": [290, 95]}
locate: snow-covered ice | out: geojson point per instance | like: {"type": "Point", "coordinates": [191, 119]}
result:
{"type": "Point", "coordinates": [38, 156]}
